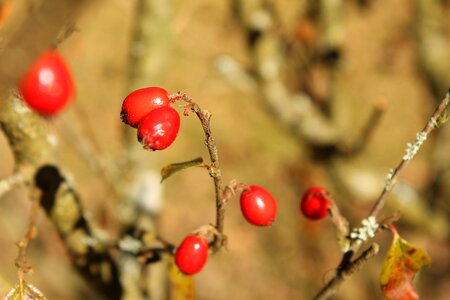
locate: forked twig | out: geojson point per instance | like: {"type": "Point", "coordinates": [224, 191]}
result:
{"type": "Point", "coordinates": [348, 267]}
{"type": "Point", "coordinates": [355, 266]}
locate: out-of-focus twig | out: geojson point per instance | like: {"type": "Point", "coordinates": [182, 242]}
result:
{"type": "Point", "coordinates": [24, 243]}
{"type": "Point", "coordinates": [139, 194]}
{"type": "Point", "coordinates": [433, 43]}
{"type": "Point", "coordinates": [148, 55]}
{"type": "Point", "coordinates": [90, 254]}
{"type": "Point", "coordinates": [367, 131]}
{"type": "Point", "coordinates": [85, 144]}
{"type": "Point", "coordinates": [300, 111]}
{"type": "Point", "coordinates": [27, 135]}
{"type": "Point", "coordinates": [303, 118]}
{"type": "Point", "coordinates": [11, 182]}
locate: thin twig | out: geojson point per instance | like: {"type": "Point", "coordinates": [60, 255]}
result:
{"type": "Point", "coordinates": [436, 120]}
{"type": "Point", "coordinates": [24, 243]}
{"type": "Point", "coordinates": [214, 169]}
{"type": "Point", "coordinates": [332, 286]}
{"type": "Point", "coordinates": [88, 150]}
{"type": "Point", "coordinates": [366, 134]}
{"type": "Point", "coordinates": [340, 222]}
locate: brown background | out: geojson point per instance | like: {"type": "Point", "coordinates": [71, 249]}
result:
{"type": "Point", "coordinates": [292, 259]}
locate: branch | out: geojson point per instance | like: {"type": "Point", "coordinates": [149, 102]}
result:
{"type": "Point", "coordinates": [89, 253]}
{"type": "Point", "coordinates": [15, 180]}
{"type": "Point", "coordinates": [437, 119]}
{"type": "Point", "coordinates": [28, 136]}
{"type": "Point", "coordinates": [149, 52]}
{"type": "Point", "coordinates": [304, 119]}
{"type": "Point", "coordinates": [332, 286]}
{"type": "Point", "coordinates": [299, 111]}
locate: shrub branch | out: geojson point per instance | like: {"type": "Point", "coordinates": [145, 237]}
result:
{"type": "Point", "coordinates": [347, 267]}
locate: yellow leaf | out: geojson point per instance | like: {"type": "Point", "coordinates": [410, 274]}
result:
{"type": "Point", "coordinates": [402, 262]}
{"type": "Point", "coordinates": [182, 287]}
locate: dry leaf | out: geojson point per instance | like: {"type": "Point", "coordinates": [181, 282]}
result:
{"type": "Point", "coordinates": [402, 262]}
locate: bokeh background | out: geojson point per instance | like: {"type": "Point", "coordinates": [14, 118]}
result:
{"type": "Point", "coordinates": [394, 50]}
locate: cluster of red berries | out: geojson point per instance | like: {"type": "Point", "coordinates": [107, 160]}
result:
{"type": "Point", "coordinates": [258, 207]}
{"type": "Point", "coordinates": [47, 86]}
{"type": "Point", "coordinates": [150, 111]}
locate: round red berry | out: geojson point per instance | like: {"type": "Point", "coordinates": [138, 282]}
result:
{"type": "Point", "coordinates": [314, 203]}
{"type": "Point", "coordinates": [141, 102]}
{"type": "Point", "coordinates": [159, 128]}
{"type": "Point", "coordinates": [258, 206]}
{"type": "Point", "coordinates": [47, 86]}
{"type": "Point", "coordinates": [192, 254]}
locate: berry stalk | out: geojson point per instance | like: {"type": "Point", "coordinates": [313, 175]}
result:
{"type": "Point", "coordinates": [214, 168]}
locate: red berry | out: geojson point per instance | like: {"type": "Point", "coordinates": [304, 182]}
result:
{"type": "Point", "coordinates": [258, 206]}
{"type": "Point", "coordinates": [159, 128]}
{"type": "Point", "coordinates": [314, 204]}
{"type": "Point", "coordinates": [47, 86]}
{"type": "Point", "coordinates": [192, 254]}
{"type": "Point", "coordinates": [141, 102]}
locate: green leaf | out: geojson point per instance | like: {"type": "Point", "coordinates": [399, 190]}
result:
{"type": "Point", "coordinates": [24, 291]}
{"type": "Point", "coordinates": [182, 287]}
{"type": "Point", "coordinates": [169, 170]}
{"type": "Point", "coordinates": [442, 119]}
{"type": "Point", "coordinates": [402, 262]}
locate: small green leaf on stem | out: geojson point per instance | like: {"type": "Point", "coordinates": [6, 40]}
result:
{"type": "Point", "coordinates": [169, 170]}
{"type": "Point", "coordinates": [402, 262]}
{"type": "Point", "coordinates": [442, 119]}
{"type": "Point", "coordinates": [25, 291]}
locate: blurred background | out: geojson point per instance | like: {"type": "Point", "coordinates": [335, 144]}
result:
{"type": "Point", "coordinates": [302, 93]}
